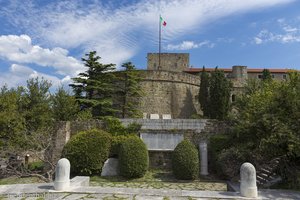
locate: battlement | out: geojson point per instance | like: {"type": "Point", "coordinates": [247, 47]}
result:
{"type": "Point", "coordinates": [176, 62]}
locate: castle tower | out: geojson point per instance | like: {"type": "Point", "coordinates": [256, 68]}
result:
{"type": "Point", "coordinates": [176, 62]}
{"type": "Point", "coordinates": [239, 73]}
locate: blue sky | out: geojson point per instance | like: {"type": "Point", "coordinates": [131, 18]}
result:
{"type": "Point", "coordinates": [49, 38]}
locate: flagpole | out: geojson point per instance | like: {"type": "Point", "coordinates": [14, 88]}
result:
{"type": "Point", "coordinates": [159, 42]}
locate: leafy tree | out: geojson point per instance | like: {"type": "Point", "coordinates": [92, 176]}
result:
{"type": "Point", "coordinates": [268, 119]}
{"type": "Point", "coordinates": [94, 88]}
{"type": "Point", "coordinates": [129, 91]}
{"type": "Point", "coordinates": [65, 106]}
{"type": "Point", "coordinates": [204, 93]}
{"type": "Point", "coordinates": [220, 88]}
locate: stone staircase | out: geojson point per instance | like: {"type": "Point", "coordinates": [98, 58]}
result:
{"type": "Point", "coordinates": [266, 175]}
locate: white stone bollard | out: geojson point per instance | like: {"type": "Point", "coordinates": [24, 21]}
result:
{"type": "Point", "coordinates": [248, 186]}
{"type": "Point", "coordinates": [62, 175]}
{"type": "Point", "coordinates": [203, 158]}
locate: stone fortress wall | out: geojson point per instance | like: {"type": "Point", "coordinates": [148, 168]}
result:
{"type": "Point", "coordinates": [167, 92]}
{"type": "Point", "coordinates": [171, 86]}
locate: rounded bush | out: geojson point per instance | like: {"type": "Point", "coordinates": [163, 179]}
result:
{"type": "Point", "coordinates": [185, 161]}
{"type": "Point", "coordinates": [133, 158]}
{"type": "Point", "coordinates": [116, 143]}
{"type": "Point", "coordinates": [87, 151]}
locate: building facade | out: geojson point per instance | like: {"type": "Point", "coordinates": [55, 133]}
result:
{"type": "Point", "coordinates": [172, 87]}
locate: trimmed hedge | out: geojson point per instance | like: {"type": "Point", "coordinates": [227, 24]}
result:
{"type": "Point", "coordinates": [87, 151]}
{"type": "Point", "coordinates": [116, 143]}
{"type": "Point", "coordinates": [133, 158]}
{"type": "Point", "coordinates": [185, 161]}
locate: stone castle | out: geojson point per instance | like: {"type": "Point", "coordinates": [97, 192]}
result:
{"type": "Point", "coordinates": [171, 89]}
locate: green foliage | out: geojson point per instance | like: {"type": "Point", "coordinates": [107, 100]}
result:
{"type": "Point", "coordinates": [37, 101]}
{"type": "Point", "coordinates": [133, 158]}
{"type": "Point", "coordinates": [116, 143]}
{"type": "Point", "coordinates": [115, 127]}
{"type": "Point", "coordinates": [267, 124]}
{"type": "Point", "coordinates": [128, 92]}
{"type": "Point", "coordinates": [185, 161]}
{"type": "Point", "coordinates": [87, 151]}
{"type": "Point", "coordinates": [34, 166]}
{"type": "Point", "coordinates": [204, 93]}
{"type": "Point", "coordinates": [220, 88]}
{"type": "Point", "coordinates": [94, 88]}
{"type": "Point", "coordinates": [65, 107]}
{"type": "Point", "coordinates": [12, 121]}
{"type": "Point", "coordinates": [230, 160]}
{"type": "Point", "coordinates": [266, 75]}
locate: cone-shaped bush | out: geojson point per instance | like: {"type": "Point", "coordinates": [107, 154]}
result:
{"type": "Point", "coordinates": [133, 158]}
{"type": "Point", "coordinates": [87, 151]}
{"type": "Point", "coordinates": [185, 161]}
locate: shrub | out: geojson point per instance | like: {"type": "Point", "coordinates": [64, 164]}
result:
{"type": "Point", "coordinates": [87, 151]}
{"type": "Point", "coordinates": [133, 158]}
{"type": "Point", "coordinates": [36, 166]}
{"type": "Point", "coordinates": [115, 127]}
{"type": "Point", "coordinates": [185, 161]}
{"type": "Point", "coordinates": [116, 143]}
{"type": "Point", "coordinates": [217, 143]}
{"type": "Point", "coordinates": [230, 160]}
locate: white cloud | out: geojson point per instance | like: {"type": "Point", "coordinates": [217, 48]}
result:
{"type": "Point", "coordinates": [287, 34]}
{"type": "Point", "coordinates": [118, 33]}
{"type": "Point", "coordinates": [19, 74]}
{"type": "Point", "coordinates": [186, 45]}
{"type": "Point", "coordinates": [20, 49]}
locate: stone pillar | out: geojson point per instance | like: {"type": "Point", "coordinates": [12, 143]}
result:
{"type": "Point", "coordinates": [248, 186]}
{"type": "Point", "coordinates": [203, 158]}
{"type": "Point", "coordinates": [62, 175]}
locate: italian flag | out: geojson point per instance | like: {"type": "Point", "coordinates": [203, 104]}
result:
{"type": "Point", "coordinates": [163, 22]}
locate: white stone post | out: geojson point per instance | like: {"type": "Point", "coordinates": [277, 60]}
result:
{"type": "Point", "coordinates": [62, 175]}
{"type": "Point", "coordinates": [248, 186]}
{"type": "Point", "coordinates": [203, 158]}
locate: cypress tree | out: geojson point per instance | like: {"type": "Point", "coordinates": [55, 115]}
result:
{"type": "Point", "coordinates": [266, 75]}
{"type": "Point", "coordinates": [204, 93]}
{"type": "Point", "coordinates": [220, 89]}
{"type": "Point", "coordinates": [129, 91]}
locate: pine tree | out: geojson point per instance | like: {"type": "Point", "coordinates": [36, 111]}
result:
{"type": "Point", "coordinates": [95, 87]}
{"type": "Point", "coordinates": [220, 89]}
{"type": "Point", "coordinates": [65, 106]}
{"type": "Point", "coordinates": [129, 91]}
{"type": "Point", "coordinates": [204, 93]}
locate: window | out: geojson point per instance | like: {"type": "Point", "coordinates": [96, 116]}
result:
{"type": "Point", "coordinates": [273, 76]}
{"type": "Point", "coordinates": [233, 98]}
{"type": "Point", "coordinates": [259, 76]}
{"type": "Point", "coordinates": [284, 76]}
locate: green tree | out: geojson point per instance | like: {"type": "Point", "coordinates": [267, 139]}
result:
{"type": "Point", "coordinates": [37, 104]}
{"type": "Point", "coordinates": [266, 75]}
{"type": "Point", "coordinates": [95, 87]}
{"type": "Point", "coordinates": [65, 106]}
{"type": "Point", "coordinates": [204, 93]}
{"type": "Point", "coordinates": [129, 91]}
{"type": "Point", "coordinates": [220, 88]}
{"type": "Point", "coordinates": [12, 121]}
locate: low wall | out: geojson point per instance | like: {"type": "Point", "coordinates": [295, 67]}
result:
{"type": "Point", "coordinates": [195, 130]}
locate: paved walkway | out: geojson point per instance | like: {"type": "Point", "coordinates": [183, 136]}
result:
{"type": "Point", "coordinates": [45, 191]}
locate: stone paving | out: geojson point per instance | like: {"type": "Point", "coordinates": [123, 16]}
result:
{"type": "Point", "coordinates": [165, 185]}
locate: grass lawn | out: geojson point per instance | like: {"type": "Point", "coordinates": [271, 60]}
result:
{"type": "Point", "coordinates": [157, 179]}
{"type": "Point", "coordinates": [17, 180]}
